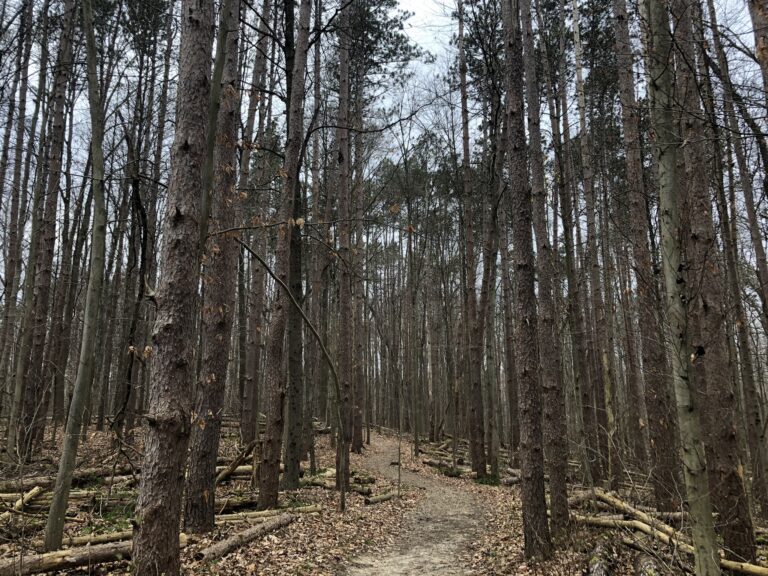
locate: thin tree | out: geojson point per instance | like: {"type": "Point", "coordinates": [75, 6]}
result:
{"type": "Point", "coordinates": [80, 398]}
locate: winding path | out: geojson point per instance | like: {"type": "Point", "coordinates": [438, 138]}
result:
{"type": "Point", "coordinates": [433, 534]}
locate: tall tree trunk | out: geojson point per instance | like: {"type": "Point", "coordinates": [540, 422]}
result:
{"type": "Point", "coordinates": [661, 417]}
{"type": "Point", "coordinates": [35, 376]}
{"type": "Point", "coordinates": [755, 425]}
{"type": "Point", "coordinates": [473, 369]}
{"type": "Point", "coordinates": [166, 436]}
{"type": "Point", "coordinates": [249, 420]}
{"type": "Point", "coordinates": [219, 276]}
{"type": "Point", "coordinates": [270, 458]}
{"type": "Point", "coordinates": [359, 260]}
{"type": "Point", "coordinates": [345, 250]}
{"type": "Point", "coordinates": [706, 306]}
{"type": "Point", "coordinates": [592, 262]}
{"type": "Point", "coordinates": [535, 525]}
{"type": "Point", "coordinates": [555, 429]}
{"type": "Point", "coordinates": [13, 255]}
{"type": "Point", "coordinates": [689, 414]}
{"type": "Point", "coordinates": [510, 371]}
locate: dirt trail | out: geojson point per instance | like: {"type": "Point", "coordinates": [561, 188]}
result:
{"type": "Point", "coordinates": [432, 535]}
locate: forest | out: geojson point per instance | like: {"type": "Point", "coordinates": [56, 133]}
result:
{"type": "Point", "coordinates": [380, 287]}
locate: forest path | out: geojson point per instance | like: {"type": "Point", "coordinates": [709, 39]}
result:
{"type": "Point", "coordinates": [433, 534]}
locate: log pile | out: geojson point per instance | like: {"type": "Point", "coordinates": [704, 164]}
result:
{"type": "Point", "coordinates": [631, 519]}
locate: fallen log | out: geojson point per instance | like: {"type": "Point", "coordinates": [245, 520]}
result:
{"type": "Point", "coordinates": [444, 465]}
{"type": "Point", "coordinates": [234, 542]}
{"type": "Point", "coordinates": [80, 477]}
{"type": "Point", "coordinates": [262, 514]}
{"type": "Point", "coordinates": [89, 539]}
{"type": "Point", "coordinates": [320, 483]}
{"type": "Point", "coordinates": [92, 539]}
{"type": "Point", "coordinates": [25, 499]}
{"type": "Point", "coordinates": [644, 517]}
{"type": "Point", "coordinates": [364, 480]}
{"type": "Point", "coordinates": [72, 558]}
{"type": "Point", "coordinates": [380, 498]}
{"type": "Point", "coordinates": [74, 495]}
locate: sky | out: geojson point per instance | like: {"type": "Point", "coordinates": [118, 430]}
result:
{"type": "Point", "coordinates": [430, 26]}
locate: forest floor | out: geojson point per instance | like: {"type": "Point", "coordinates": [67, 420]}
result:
{"type": "Point", "coordinates": [439, 525]}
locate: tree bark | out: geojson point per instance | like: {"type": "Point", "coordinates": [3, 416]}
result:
{"type": "Point", "coordinates": [661, 417]}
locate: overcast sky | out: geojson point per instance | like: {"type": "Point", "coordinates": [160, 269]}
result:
{"type": "Point", "coordinates": [430, 26]}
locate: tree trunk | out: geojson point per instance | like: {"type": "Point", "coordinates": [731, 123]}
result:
{"type": "Point", "coordinates": [706, 307]}
{"type": "Point", "coordinates": [166, 436]}
{"type": "Point", "coordinates": [219, 276]}
{"type": "Point", "coordinates": [689, 417]}
{"type": "Point", "coordinates": [661, 417]}
{"type": "Point", "coordinates": [270, 459]}
{"type": "Point", "coordinates": [56, 515]}
{"type": "Point", "coordinates": [555, 429]}
{"type": "Point", "coordinates": [475, 391]}
{"type": "Point", "coordinates": [35, 374]}
{"type": "Point", "coordinates": [535, 526]}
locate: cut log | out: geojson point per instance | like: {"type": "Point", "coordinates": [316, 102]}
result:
{"type": "Point", "coordinates": [234, 542]}
{"type": "Point", "coordinates": [380, 498]}
{"type": "Point", "coordinates": [646, 565]}
{"type": "Point", "coordinates": [321, 483]}
{"type": "Point", "coordinates": [25, 499]}
{"type": "Point", "coordinates": [71, 558]}
{"type": "Point", "coordinates": [364, 480]}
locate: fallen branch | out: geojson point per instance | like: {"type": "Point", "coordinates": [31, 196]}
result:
{"type": "Point", "coordinates": [622, 506]}
{"type": "Point", "coordinates": [674, 541]}
{"type": "Point", "coordinates": [81, 476]}
{"type": "Point", "coordinates": [234, 542]}
{"type": "Point", "coordinates": [227, 472]}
